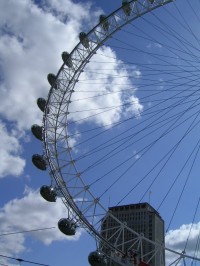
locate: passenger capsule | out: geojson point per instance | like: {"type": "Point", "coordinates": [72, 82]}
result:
{"type": "Point", "coordinates": [48, 193]}
{"type": "Point", "coordinates": [67, 226]}
{"type": "Point", "coordinates": [39, 162]}
{"type": "Point", "coordinates": [84, 39]}
{"type": "Point", "coordinates": [52, 80]}
{"type": "Point", "coordinates": [126, 7]}
{"type": "Point", "coordinates": [104, 22]}
{"type": "Point", "coordinates": [96, 258]}
{"type": "Point", "coordinates": [66, 57]}
{"type": "Point", "coordinates": [37, 131]}
{"type": "Point", "coordinates": [41, 102]}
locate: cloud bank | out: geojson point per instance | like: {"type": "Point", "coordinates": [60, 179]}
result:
{"type": "Point", "coordinates": [11, 162]}
{"type": "Point", "coordinates": [31, 44]}
{"type": "Point", "coordinates": [176, 240]}
{"type": "Point", "coordinates": [32, 38]}
{"type": "Point", "coordinates": [28, 213]}
{"type": "Point", "coordinates": [30, 47]}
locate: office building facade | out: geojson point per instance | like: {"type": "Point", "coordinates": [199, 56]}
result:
{"type": "Point", "coordinates": [141, 218]}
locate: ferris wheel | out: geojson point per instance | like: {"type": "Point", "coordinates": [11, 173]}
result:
{"type": "Point", "coordinates": [121, 126]}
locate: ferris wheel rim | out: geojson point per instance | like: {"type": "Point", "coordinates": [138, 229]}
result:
{"type": "Point", "coordinates": [77, 72]}
{"type": "Point", "coordinates": [150, 7]}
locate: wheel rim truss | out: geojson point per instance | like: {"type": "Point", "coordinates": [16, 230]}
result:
{"type": "Point", "coordinates": [57, 147]}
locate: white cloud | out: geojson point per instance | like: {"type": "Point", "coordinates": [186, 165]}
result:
{"type": "Point", "coordinates": [137, 156]}
{"type": "Point", "coordinates": [176, 240]}
{"type": "Point", "coordinates": [104, 95]}
{"type": "Point", "coordinates": [66, 10]}
{"type": "Point", "coordinates": [32, 39]}
{"type": "Point", "coordinates": [28, 213]}
{"type": "Point", "coordinates": [154, 45]}
{"type": "Point", "coordinates": [137, 73]}
{"type": "Point", "coordinates": [31, 44]}
{"type": "Point", "coordinates": [134, 106]}
{"type": "Point", "coordinates": [30, 48]}
{"type": "Point", "coordinates": [11, 162]}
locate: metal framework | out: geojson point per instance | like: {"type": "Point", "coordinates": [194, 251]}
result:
{"type": "Point", "coordinates": [87, 210]}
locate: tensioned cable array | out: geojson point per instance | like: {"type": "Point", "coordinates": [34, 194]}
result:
{"type": "Point", "coordinates": [22, 232]}
{"type": "Point", "coordinates": [169, 85]}
{"type": "Point", "coordinates": [22, 260]}
{"type": "Point", "coordinates": [26, 231]}
{"type": "Point", "coordinates": [119, 124]}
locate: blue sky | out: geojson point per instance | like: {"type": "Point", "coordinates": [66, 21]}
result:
{"type": "Point", "coordinates": [153, 69]}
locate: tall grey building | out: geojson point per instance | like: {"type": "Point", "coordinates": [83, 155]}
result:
{"type": "Point", "coordinates": [143, 219]}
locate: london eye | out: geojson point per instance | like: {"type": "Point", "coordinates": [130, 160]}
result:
{"type": "Point", "coordinates": [121, 126]}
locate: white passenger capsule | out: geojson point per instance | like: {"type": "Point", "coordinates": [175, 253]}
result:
{"type": "Point", "coordinates": [67, 226]}
{"type": "Point", "coordinates": [96, 258]}
{"type": "Point", "coordinates": [37, 131]}
{"type": "Point", "coordinates": [126, 7]}
{"type": "Point", "coordinates": [48, 193]}
{"type": "Point", "coordinates": [41, 102]}
{"type": "Point", "coordinates": [39, 162]}
{"type": "Point", "coordinates": [104, 22]}
{"type": "Point", "coordinates": [52, 80]}
{"type": "Point", "coordinates": [84, 39]}
{"type": "Point", "coordinates": [66, 57]}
